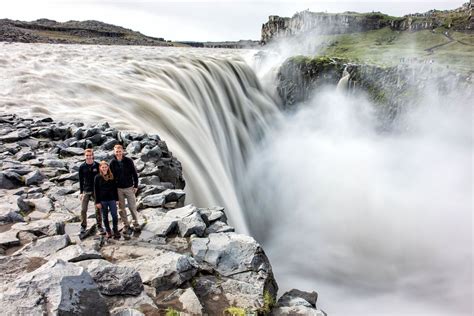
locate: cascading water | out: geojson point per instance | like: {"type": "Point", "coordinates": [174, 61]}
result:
{"type": "Point", "coordinates": [378, 223]}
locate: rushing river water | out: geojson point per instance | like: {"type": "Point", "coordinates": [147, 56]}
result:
{"type": "Point", "coordinates": [378, 224]}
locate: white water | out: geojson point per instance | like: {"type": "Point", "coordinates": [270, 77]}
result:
{"type": "Point", "coordinates": [376, 223]}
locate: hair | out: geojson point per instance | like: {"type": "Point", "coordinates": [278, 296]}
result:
{"type": "Point", "coordinates": [118, 146]}
{"type": "Point", "coordinates": [88, 151]}
{"type": "Point", "coordinates": [109, 175]}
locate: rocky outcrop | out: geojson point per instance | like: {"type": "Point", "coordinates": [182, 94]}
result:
{"type": "Point", "coordinates": [73, 32]}
{"type": "Point", "coordinates": [391, 88]}
{"type": "Point", "coordinates": [185, 258]}
{"type": "Point", "coordinates": [310, 23]}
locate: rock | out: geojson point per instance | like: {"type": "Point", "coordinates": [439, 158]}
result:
{"type": "Point", "coordinates": [219, 227]}
{"type": "Point", "coordinates": [143, 304]}
{"type": "Point", "coordinates": [11, 267]}
{"type": "Point", "coordinates": [72, 151]}
{"type": "Point", "coordinates": [109, 143]}
{"type": "Point", "coordinates": [155, 200]}
{"type": "Point", "coordinates": [68, 176]}
{"type": "Point", "coordinates": [189, 220]}
{"type": "Point", "coordinates": [184, 300]}
{"type": "Point", "coordinates": [296, 297]}
{"type": "Point", "coordinates": [41, 227]}
{"type": "Point", "coordinates": [134, 147]}
{"type": "Point", "coordinates": [153, 180]}
{"type": "Point", "coordinates": [297, 310]}
{"type": "Point", "coordinates": [127, 312]}
{"type": "Point", "coordinates": [212, 214]}
{"type": "Point", "coordinates": [161, 269]}
{"type": "Point", "coordinates": [9, 214]}
{"type": "Point", "coordinates": [75, 253]}
{"type": "Point", "coordinates": [10, 180]}
{"type": "Point", "coordinates": [151, 154]}
{"type": "Point", "coordinates": [34, 177]}
{"type": "Point", "coordinates": [44, 247]}
{"type": "Point", "coordinates": [114, 279]}
{"type": "Point", "coordinates": [158, 224]}
{"type": "Point", "coordinates": [15, 136]}
{"type": "Point", "coordinates": [44, 205]}
{"type": "Point", "coordinates": [55, 288]}
{"type": "Point", "coordinates": [54, 163]}
{"type": "Point", "coordinates": [9, 238]}
{"type": "Point", "coordinates": [26, 155]}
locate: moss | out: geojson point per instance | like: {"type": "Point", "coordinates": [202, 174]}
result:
{"type": "Point", "coordinates": [172, 312]}
{"type": "Point", "coordinates": [268, 303]}
{"type": "Point", "coordinates": [235, 311]}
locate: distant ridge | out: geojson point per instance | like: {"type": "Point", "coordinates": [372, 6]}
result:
{"type": "Point", "coordinates": [74, 32]}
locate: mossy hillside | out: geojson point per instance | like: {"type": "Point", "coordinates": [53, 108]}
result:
{"type": "Point", "coordinates": [386, 47]}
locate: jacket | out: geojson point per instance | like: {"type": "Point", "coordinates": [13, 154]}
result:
{"type": "Point", "coordinates": [87, 175]}
{"type": "Point", "coordinates": [125, 174]}
{"type": "Point", "coordinates": [105, 190]}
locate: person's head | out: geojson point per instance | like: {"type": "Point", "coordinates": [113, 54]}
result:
{"type": "Point", "coordinates": [89, 156]}
{"type": "Point", "coordinates": [105, 170]}
{"type": "Point", "coordinates": [118, 151]}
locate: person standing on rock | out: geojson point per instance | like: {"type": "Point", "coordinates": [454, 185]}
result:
{"type": "Point", "coordinates": [105, 189]}
{"type": "Point", "coordinates": [87, 172]}
{"type": "Point", "coordinates": [125, 173]}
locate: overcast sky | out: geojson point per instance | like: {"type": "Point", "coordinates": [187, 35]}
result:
{"type": "Point", "coordinates": [200, 20]}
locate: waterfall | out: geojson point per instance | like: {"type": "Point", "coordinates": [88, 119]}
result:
{"type": "Point", "coordinates": [377, 223]}
{"type": "Point", "coordinates": [210, 108]}
{"type": "Point", "coordinates": [343, 83]}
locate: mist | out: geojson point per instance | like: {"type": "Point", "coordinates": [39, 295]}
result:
{"type": "Point", "coordinates": [377, 223]}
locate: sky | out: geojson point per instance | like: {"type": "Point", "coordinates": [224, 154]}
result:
{"type": "Point", "coordinates": [195, 20]}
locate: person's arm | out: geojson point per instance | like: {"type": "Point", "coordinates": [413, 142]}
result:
{"type": "Point", "coordinates": [97, 191]}
{"type": "Point", "coordinates": [81, 180]}
{"type": "Point", "coordinates": [134, 174]}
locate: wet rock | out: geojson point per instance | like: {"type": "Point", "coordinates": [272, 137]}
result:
{"type": "Point", "coordinates": [114, 279]}
{"type": "Point", "coordinates": [34, 177]}
{"type": "Point", "coordinates": [57, 287]}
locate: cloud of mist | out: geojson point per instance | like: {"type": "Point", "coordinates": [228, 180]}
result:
{"type": "Point", "coordinates": [377, 223]}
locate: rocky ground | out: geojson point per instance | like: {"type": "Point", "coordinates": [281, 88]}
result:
{"type": "Point", "coordinates": [185, 261]}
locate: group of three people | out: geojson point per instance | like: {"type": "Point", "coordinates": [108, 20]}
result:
{"type": "Point", "coordinates": [106, 184]}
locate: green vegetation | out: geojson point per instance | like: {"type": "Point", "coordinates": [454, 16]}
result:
{"type": "Point", "coordinates": [235, 311]}
{"type": "Point", "coordinates": [268, 303]}
{"type": "Point", "coordinates": [172, 312]}
{"type": "Point", "coordinates": [388, 47]}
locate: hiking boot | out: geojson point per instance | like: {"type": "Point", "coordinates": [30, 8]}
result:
{"type": "Point", "coordinates": [137, 229]}
{"type": "Point", "coordinates": [108, 235]}
{"type": "Point", "coordinates": [101, 230]}
{"type": "Point", "coordinates": [117, 235]}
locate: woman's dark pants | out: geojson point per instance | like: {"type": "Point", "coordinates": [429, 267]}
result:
{"type": "Point", "coordinates": [110, 206]}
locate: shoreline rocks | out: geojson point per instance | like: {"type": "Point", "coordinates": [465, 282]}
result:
{"type": "Point", "coordinates": [186, 259]}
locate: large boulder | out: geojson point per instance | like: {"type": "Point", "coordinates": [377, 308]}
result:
{"type": "Point", "coordinates": [44, 247]}
{"type": "Point", "coordinates": [56, 288]}
{"type": "Point", "coordinates": [75, 253]}
{"type": "Point", "coordinates": [158, 268]}
{"type": "Point", "coordinates": [41, 227]}
{"type": "Point", "coordinates": [114, 279]}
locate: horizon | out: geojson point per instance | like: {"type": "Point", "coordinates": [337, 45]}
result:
{"type": "Point", "coordinates": [189, 20]}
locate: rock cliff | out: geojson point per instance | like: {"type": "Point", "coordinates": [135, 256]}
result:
{"type": "Point", "coordinates": [351, 22]}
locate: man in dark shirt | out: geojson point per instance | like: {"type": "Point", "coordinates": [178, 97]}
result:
{"type": "Point", "coordinates": [87, 172]}
{"type": "Point", "coordinates": [125, 173]}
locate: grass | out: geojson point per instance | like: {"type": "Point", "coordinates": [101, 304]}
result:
{"type": "Point", "coordinates": [388, 47]}
{"type": "Point", "coordinates": [268, 303]}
